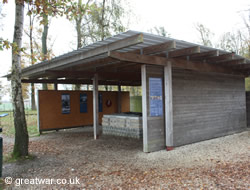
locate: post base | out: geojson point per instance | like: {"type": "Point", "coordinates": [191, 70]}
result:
{"type": "Point", "coordinates": [169, 148]}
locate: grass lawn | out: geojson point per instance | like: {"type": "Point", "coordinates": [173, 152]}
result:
{"type": "Point", "coordinates": [7, 123]}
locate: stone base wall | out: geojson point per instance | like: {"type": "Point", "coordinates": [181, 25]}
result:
{"type": "Point", "coordinates": [122, 125]}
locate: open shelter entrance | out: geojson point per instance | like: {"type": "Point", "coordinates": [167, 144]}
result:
{"type": "Point", "coordinates": [63, 109]}
{"type": "Point", "coordinates": [179, 80]}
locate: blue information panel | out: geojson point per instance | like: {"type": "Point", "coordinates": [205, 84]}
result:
{"type": "Point", "coordinates": [155, 97]}
{"type": "Point", "coordinates": [83, 103]}
{"type": "Point", "coordinates": [100, 103]}
{"type": "Point", "coordinates": [65, 103]}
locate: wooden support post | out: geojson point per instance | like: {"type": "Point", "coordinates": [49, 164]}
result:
{"type": "Point", "coordinates": [55, 86]}
{"type": "Point", "coordinates": [144, 108]}
{"type": "Point", "coordinates": [168, 106]}
{"type": "Point", "coordinates": [119, 103]}
{"type": "Point", "coordinates": [38, 112]}
{"type": "Point", "coordinates": [95, 107]}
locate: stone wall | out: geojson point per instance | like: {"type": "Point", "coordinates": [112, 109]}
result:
{"type": "Point", "coordinates": [122, 125]}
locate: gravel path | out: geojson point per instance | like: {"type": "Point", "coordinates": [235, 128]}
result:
{"type": "Point", "coordinates": [119, 163]}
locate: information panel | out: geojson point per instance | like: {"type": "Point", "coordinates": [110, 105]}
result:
{"type": "Point", "coordinates": [155, 97]}
{"type": "Point", "coordinates": [65, 103]}
{"type": "Point", "coordinates": [83, 103]}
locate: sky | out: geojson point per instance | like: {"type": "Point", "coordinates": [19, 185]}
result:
{"type": "Point", "coordinates": [177, 16]}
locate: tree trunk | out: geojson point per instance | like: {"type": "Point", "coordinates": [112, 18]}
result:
{"type": "Point", "coordinates": [102, 29]}
{"type": "Point", "coordinates": [21, 133]}
{"type": "Point", "coordinates": [78, 21]}
{"type": "Point", "coordinates": [102, 21]}
{"type": "Point", "coordinates": [44, 43]}
{"type": "Point", "coordinates": [33, 102]}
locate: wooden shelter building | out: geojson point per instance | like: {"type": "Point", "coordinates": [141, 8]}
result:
{"type": "Point", "coordinates": [190, 92]}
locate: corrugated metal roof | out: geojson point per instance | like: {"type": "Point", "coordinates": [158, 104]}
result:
{"type": "Point", "coordinates": [148, 40]}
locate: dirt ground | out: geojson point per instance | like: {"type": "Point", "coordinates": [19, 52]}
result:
{"type": "Point", "coordinates": [119, 163]}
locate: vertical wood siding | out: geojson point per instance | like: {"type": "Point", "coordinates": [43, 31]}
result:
{"type": "Point", "coordinates": [206, 106]}
{"type": "Point", "coordinates": [155, 125]}
{"type": "Point", "coordinates": [248, 108]}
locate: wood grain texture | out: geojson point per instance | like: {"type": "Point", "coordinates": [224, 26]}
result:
{"type": "Point", "coordinates": [168, 104]}
{"type": "Point", "coordinates": [95, 107]}
{"type": "Point", "coordinates": [207, 106]}
{"type": "Point", "coordinates": [50, 108]}
{"type": "Point", "coordinates": [144, 108]}
{"type": "Point", "coordinates": [155, 129]}
{"type": "Point", "coordinates": [248, 108]}
{"type": "Point", "coordinates": [176, 63]}
{"type": "Point", "coordinates": [184, 52]}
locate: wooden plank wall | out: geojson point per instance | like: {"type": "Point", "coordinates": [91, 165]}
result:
{"type": "Point", "coordinates": [248, 108]}
{"type": "Point", "coordinates": [50, 108]}
{"type": "Point", "coordinates": [207, 106]}
{"type": "Point", "coordinates": [155, 125]}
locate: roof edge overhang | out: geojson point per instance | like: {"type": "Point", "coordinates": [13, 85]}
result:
{"type": "Point", "coordinates": [140, 48]}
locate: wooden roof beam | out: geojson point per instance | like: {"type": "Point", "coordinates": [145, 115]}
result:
{"type": "Point", "coordinates": [159, 48]}
{"type": "Point", "coordinates": [132, 67]}
{"type": "Point", "coordinates": [57, 81]}
{"type": "Point", "coordinates": [102, 75]}
{"type": "Point", "coordinates": [123, 43]}
{"type": "Point", "coordinates": [136, 58]}
{"type": "Point", "coordinates": [176, 63]}
{"type": "Point", "coordinates": [242, 66]}
{"type": "Point", "coordinates": [120, 76]}
{"type": "Point", "coordinates": [203, 67]}
{"type": "Point", "coordinates": [184, 52]}
{"type": "Point", "coordinates": [81, 81]}
{"type": "Point", "coordinates": [223, 57]}
{"type": "Point", "coordinates": [96, 63]}
{"type": "Point", "coordinates": [166, 46]}
{"type": "Point", "coordinates": [69, 73]}
{"type": "Point", "coordinates": [115, 67]}
{"type": "Point", "coordinates": [233, 62]}
{"type": "Point", "coordinates": [203, 55]}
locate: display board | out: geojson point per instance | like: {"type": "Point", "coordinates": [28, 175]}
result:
{"type": "Point", "coordinates": [83, 103]}
{"type": "Point", "coordinates": [66, 109]}
{"type": "Point", "coordinates": [65, 103]}
{"type": "Point", "coordinates": [155, 97]}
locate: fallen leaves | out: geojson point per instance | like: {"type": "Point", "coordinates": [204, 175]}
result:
{"type": "Point", "coordinates": [109, 164]}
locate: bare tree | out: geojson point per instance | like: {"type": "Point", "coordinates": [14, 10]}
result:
{"type": "Point", "coordinates": [79, 23]}
{"type": "Point", "coordinates": [105, 20]}
{"type": "Point", "coordinates": [21, 133]}
{"type": "Point", "coordinates": [247, 24]}
{"type": "Point", "coordinates": [32, 56]}
{"type": "Point", "coordinates": [205, 35]}
{"type": "Point", "coordinates": [161, 30]}
{"type": "Point", "coordinates": [44, 42]}
{"type": "Point", "coordinates": [235, 42]}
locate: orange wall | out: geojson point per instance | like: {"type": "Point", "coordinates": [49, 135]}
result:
{"type": "Point", "coordinates": [50, 108]}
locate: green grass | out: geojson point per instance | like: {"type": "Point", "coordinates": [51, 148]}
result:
{"type": "Point", "coordinates": [136, 104]}
{"type": "Point", "coordinates": [7, 123]}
